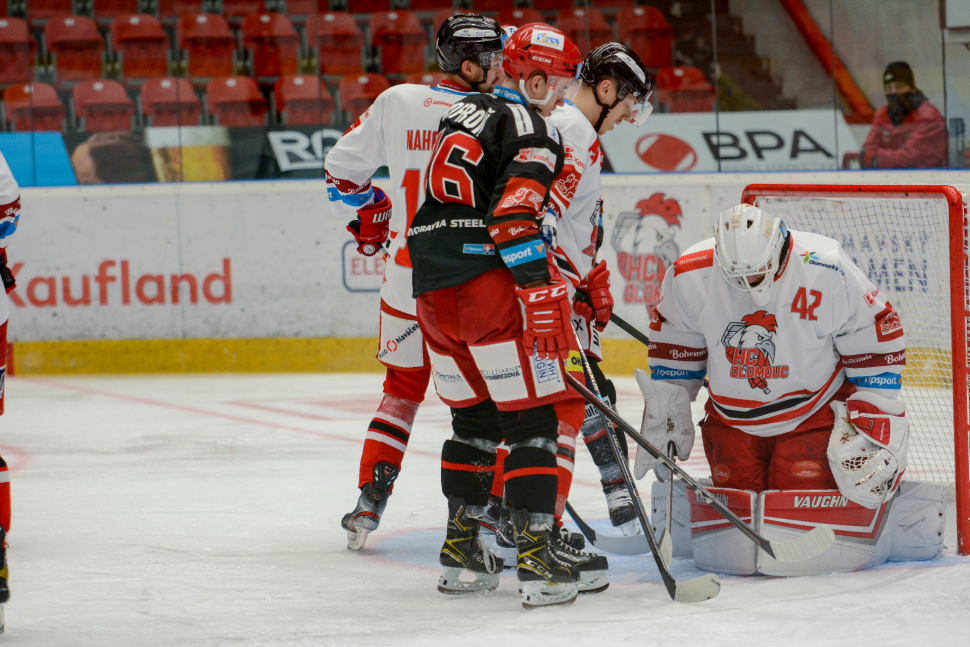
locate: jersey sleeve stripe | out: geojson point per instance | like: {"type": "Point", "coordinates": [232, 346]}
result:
{"type": "Point", "coordinates": [695, 261]}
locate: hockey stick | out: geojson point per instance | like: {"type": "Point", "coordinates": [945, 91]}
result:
{"type": "Point", "coordinates": [617, 545]}
{"type": "Point", "coordinates": [698, 589]}
{"type": "Point", "coordinates": [629, 329]}
{"type": "Point", "coordinates": [807, 546]}
{"type": "Point", "coordinates": [666, 543]}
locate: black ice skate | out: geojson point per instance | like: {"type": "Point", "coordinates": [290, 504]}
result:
{"type": "Point", "coordinates": [592, 567]}
{"type": "Point", "coordinates": [544, 579]}
{"type": "Point", "coordinates": [505, 536]}
{"type": "Point", "coordinates": [373, 498]}
{"type": "Point", "coordinates": [465, 552]}
{"type": "Point", "coordinates": [622, 513]}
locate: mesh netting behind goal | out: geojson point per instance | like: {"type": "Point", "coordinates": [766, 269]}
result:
{"type": "Point", "coordinates": [902, 242]}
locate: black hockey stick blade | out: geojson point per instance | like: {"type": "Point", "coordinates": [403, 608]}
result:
{"type": "Point", "coordinates": [811, 544]}
{"type": "Point", "coordinates": [615, 544]}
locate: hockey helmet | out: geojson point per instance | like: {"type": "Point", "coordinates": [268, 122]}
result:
{"type": "Point", "coordinates": [748, 245]}
{"type": "Point", "coordinates": [621, 64]}
{"type": "Point", "coordinates": [538, 46]}
{"type": "Point", "coordinates": [469, 37]}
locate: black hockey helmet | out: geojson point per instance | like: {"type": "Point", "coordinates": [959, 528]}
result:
{"type": "Point", "coordinates": [620, 63]}
{"type": "Point", "coordinates": [469, 37]}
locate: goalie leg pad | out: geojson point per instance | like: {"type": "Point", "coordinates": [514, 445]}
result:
{"type": "Point", "coordinates": [862, 535]}
{"type": "Point", "coordinates": [918, 521]}
{"type": "Point", "coordinates": [680, 516]}
{"type": "Point", "coordinates": [718, 546]}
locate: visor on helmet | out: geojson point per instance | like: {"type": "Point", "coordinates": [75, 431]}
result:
{"type": "Point", "coordinates": [640, 107]}
{"type": "Point", "coordinates": [488, 60]}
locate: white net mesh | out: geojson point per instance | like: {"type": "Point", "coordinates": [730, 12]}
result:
{"type": "Point", "coordinates": [902, 244]}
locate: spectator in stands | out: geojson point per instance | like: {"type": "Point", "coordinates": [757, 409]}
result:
{"type": "Point", "coordinates": [908, 132]}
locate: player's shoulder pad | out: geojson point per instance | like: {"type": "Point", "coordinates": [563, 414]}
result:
{"type": "Point", "coordinates": [697, 257]}
{"type": "Point", "coordinates": [573, 126]}
{"type": "Point", "coordinates": [817, 252]}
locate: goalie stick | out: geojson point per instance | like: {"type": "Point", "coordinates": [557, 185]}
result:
{"type": "Point", "coordinates": [698, 589]}
{"type": "Point", "coordinates": [807, 546]}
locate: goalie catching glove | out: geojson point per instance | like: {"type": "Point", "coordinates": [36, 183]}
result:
{"type": "Point", "coordinates": [373, 224]}
{"type": "Point", "coordinates": [666, 419]}
{"type": "Point", "coordinates": [868, 447]}
{"type": "Point", "coordinates": [599, 305]}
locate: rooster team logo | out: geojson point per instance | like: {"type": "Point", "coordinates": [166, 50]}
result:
{"type": "Point", "coordinates": [750, 347]}
{"type": "Point", "coordinates": [645, 247]}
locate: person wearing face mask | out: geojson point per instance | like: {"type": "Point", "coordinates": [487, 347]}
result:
{"type": "Point", "coordinates": [908, 132]}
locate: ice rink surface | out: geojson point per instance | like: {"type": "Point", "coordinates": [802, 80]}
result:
{"type": "Point", "coordinates": [204, 510]}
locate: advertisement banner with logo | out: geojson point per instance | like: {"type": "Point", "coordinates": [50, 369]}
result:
{"type": "Point", "coordinates": [776, 140]}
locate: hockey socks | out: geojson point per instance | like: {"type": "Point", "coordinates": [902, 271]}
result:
{"type": "Point", "coordinates": [467, 466]}
{"type": "Point", "coordinates": [569, 413]}
{"type": "Point", "coordinates": [4, 496]}
{"type": "Point", "coordinates": [387, 435]}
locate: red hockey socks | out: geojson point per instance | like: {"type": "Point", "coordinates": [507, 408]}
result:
{"type": "Point", "coordinates": [387, 436]}
{"type": "Point", "coordinates": [4, 496]}
{"type": "Point", "coordinates": [498, 481]}
{"type": "Point", "coordinates": [570, 415]}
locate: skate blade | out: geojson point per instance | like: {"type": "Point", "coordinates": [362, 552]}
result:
{"type": "Point", "coordinates": [450, 582]}
{"type": "Point", "coordinates": [593, 582]}
{"type": "Point", "coordinates": [630, 528]}
{"type": "Point", "coordinates": [357, 538]}
{"type": "Point", "coordinates": [536, 595]}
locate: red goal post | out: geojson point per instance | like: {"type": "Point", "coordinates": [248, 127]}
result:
{"type": "Point", "coordinates": [912, 241]}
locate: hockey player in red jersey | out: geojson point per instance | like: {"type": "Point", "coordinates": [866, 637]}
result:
{"type": "Point", "coordinates": [9, 218]}
{"type": "Point", "coordinates": [803, 355]}
{"type": "Point", "coordinates": [398, 131]}
{"type": "Point", "coordinates": [495, 314]}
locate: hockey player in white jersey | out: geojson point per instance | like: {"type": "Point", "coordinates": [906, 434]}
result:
{"type": "Point", "coordinates": [398, 131]}
{"type": "Point", "coordinates": [9, 218]}
{"type": "Point", "coordinates": [614, 86]}
{"type": "Point", "coordinates": [804, 356]}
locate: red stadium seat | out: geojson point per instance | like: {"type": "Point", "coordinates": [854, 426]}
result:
{"type": "Point", "coordinates": [478, 6]}
{"type": "Point", "coordinates": [105, 11]}
{"type": "Point", "coordinates": [402, 40]}
{"type": "Point", "coordinates": [235, 9]}
{"type": "Point", "coordinates": [273, 44]}
{"type": "Point", "coordinates": [358, 92]}
{"type": "Point", "coordinates": [33, 106]}
{"type": "Point", "coordinates": [102, 105]}
{"type": "Point", "coordinates": [77, 47]}
{"type": "Point", "coordinates": [340, 43]}
{"type": "Point", "coordinates": [430, 5]}
{"type": "Point", "coordinates": [142, 45]}
{"type": "Point", "coordinates": [368, 6]}
{"type": "Point", "coordinates": [172, 10]}
{"type": "Point", "coordinates": [519, 17]}
{"type": "Point", "coordinates": [170, 101]}
{"type": "Point", "coordinates": [40, 11]}
{"type": "Point", "coordinates": [646, 32]}
{"type": "Point", "coordinates": [209, 45]}
{"type": "Point", "coordinates": [301, 100]}
{"type": "Point", "coordinates": [14, 51]}
{"type": "Point", "coordinates": [235, 101]}
{"type": "Point", "coordinates": [551, 5]}
{"type": "Point", "coordinates": [425, 78]}
{"type": "Point", "coordinates": [572, 22]}
{"type": "Point", "coordinates": [684, 89]}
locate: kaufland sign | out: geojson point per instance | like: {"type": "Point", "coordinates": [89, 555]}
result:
{"type": "Point", "coordinates": [778, 140]}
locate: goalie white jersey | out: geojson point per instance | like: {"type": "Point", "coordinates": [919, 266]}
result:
{"type": "Point", "coordinates": [9, 203]}
{"type": "Point", "coordinates": [771, 367]}
{"type": "Point", "coordinates": [397, 131]}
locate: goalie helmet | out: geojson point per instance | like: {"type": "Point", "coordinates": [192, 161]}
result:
{"type": "Point", "coordinates": [748, 243]}
{"type": "Point", "coordinates": [621, 64]}
{"type": "Point", "coordinates": [543, 48]}
{"type": "Point", "coordinates": [469, 37]}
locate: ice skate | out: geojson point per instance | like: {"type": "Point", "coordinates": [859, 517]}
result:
{"type": "Point", "coordinates": [623, 514]}
{"type": "Point", "coordinates": [574, 540]}
{"type": "Point", "coordinates": [365, 518]}
{"type": "Point", "coordinates": [544, 579]}
{"type": "Point", "coordinates": [592, 567]}
{"type": "Point", "coordinates": [490, 519]}
{"type": "Point", "coordinates": [464, 552]}
{"type": "Point", "coordinates": [505, 536]}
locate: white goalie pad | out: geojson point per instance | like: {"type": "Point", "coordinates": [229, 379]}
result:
{"type": "Point", "coordinates": [666, 419]}
{"type": "Point", "coordinates": [868, 447]}
{"type": "Point", "coordinates": [918, 521]}
{"type": "Point", "coordinates": [679, 518]}
{"type": "Point", "coordinates": [862, 535]}
{"type": "Point", "coordinates": [718, 546]}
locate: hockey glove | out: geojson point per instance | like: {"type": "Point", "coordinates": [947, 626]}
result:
{"type": "Point", "coordinates": [373, 224]}
{"type": "Point", "coordinates": [666, 419]}
{"type": "Point", "coordinates": [9, 281]}
{"type": "Point", "coordinates": [868, 447]}
{"type": "Point", "coordinates": [597, 286]}
{"type": "Point", "coordinates": [547, 319]}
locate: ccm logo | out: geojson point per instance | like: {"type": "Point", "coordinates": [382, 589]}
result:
{"type": "Point", "coordinates": [556, 291]}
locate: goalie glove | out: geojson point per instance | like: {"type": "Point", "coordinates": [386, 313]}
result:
{"type": "Point", "coordinates": [666, 419]}
{"type": "Point", "coordinates": [868, 447]}
{"type": "Point", "coordinates": [373, 224]}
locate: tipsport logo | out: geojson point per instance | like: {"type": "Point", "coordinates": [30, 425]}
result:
{"type": "Point", "coordinates": [750, 348]}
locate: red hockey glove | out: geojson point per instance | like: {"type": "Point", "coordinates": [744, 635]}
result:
{"type": "Point", "coordinates": [373, 224]}
{"type": "Point", "coordinates": [597, 286]}
{"type": "Point", "coordinates": [547, 319]}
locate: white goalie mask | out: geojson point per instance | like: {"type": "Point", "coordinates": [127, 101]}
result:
{"type": "Point", "coordinates": [747, 244]}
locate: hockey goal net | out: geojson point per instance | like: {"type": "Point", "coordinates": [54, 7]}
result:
{"type": "Point", "coordinates": [912, 242]}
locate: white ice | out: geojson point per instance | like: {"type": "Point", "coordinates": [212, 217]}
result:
{"type": "Point", "coordinates": [204, 510]}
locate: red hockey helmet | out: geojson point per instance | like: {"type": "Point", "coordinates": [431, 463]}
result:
{"type": "Point", "coordinates": [538, 46]}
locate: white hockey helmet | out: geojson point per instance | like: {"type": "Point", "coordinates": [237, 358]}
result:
{"type": "Point", "coordinates": [747, 243]}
